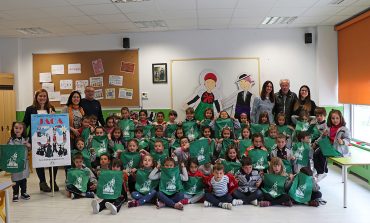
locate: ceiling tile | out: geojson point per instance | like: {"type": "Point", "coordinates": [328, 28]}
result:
{"type": "Point", "coordinates": [25, 14]}
{"type": "Point", "coordinates": [101, 9]}
{"type": "Point", "coordinates": [171, 14]}
{"type": "Point", "coordinates": [63, 11]}
{"type": "Point", "coordinates": [181, 22]}
{"type": "Point", "coordinates": [177, 4]}
{"type": "Point", "coordinates": [45, 23]}
{"type": "Point", "coordinates": [256, 3]}
{"type": "Point", "coordinates": [251, 12]}
{"type": "Point", "coordinates": [365, 3]}
{"type": "Point", "coordinates": [243, 26]}
{"type": "Point", "coordinates": [143, 16]}
{"type": "Point", "coordinates": [287, 11]}
{"type": "Point", "coordinates": [350, 11]}
{"type": "Point", "coordinates": [28, 4]}
{"type": "Point", "coordinates": [119, 25]}
{"type": "Point", "coordinates": [247, 20]}
{"type": "Point", "coordinates": [321, 11]}
{"type": "Point", "coordinates": [17, 24]}
{"type": "Point", "coordinates": [137, 7]}
{"type": "Point", "coordinates": [328, 3]}
{"type": "Point", "coordinates": [216, 4]}
{"type": "Point", "coordinates": [334, 20]}
{"type": "Point", "coordinates": [89, 27]}
{"type": "Point", "coordinates": [78, 20]}
{"type": "Point", "coordinates": [110, 18]}
{"type": "Point", "coordinates": [215, 13]}
{"type": "Point", "coordinates": [88, 2]}
{"type": "Point", "coordinates": [310, 19]}
{"type": "Point", "coordinates": [211, 27]}
{"type": "Point", "coordinates": [296, 3]}
{"type": "Point", "coordinates": [213, 21]}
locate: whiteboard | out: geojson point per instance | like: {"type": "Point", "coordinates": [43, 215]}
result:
{"type": "Point", "coordinates": [186, 78]}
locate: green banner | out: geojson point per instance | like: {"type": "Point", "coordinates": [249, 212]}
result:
{"type": "Point", "coordinates": [231, 167]}
{"type": "Point", "coordinates": [302, 126]}
{"type": "Point", "coordinates": [273, 184]}
{"type": "Point", "coordinates": [259, 159]}
{"type": "Point", "coordinates": [200, 149]}
{"type": "Point", "coordinates": [205, 123]}
{"type": "Point", "coordinates": [143, 144]}
{"type": "Point", "coordinates": [269, 143]}
{"type": "Point", "coordinates": [287, 166]}
{"type": "Point", "coordinates": [109, 184]}
{"type": "Point", "coordinates": [159, 157]}
{"type": "Point", "coordinates": [301, 188]}
{"type": "Point", "coordinates": [85, 135]}
{"type": "Point", "coordinates": [243, 145]}
{"type": "Point", "coordinates": [100, 145]}
{"type": "Point", "coordinates": [85, 154]}
{"type": "Point", "coordinates": [78, 178]}
{"type": "Point", "coordinates": [238, 132]}
{"type": "Point", "coordinates": [327, 148]}
{"type": "Point", "coordinates": [12, 158]}
{"type": "Point", "coordinates": [193, 186]}
{"type": "Point", "coordinates": [301, 152]}
{"type": "Point", "coordinates": [149, 131]}
{"type": "Point", "coordinates": [164, 141]}
{"type": "Point", "coordinates": [170, 181]}
{"type": "Point", "coordinates": [171, 130]}
{"type": "Point", "coordinates": [225, 144]}
{"type": "Point", "coordinates": [284, 129]}
{"type": "Point", "coordinates": [130, 160]}
{"type": "Point", "coordinates": [191, 130]}
{"type": "Point", "coordinates": [221, 124]}
{"type": "Point", "coordinates": [128, 127]}
{"type": "Point", "coordinates": [260, 128]}
{"type": "Point", "coordinates": [118, 146]}
{"type": "Point", "coordinates": [143, 184]}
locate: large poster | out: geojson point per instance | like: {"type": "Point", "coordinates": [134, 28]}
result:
{"type": "Point", "coordinates": [50, 140]}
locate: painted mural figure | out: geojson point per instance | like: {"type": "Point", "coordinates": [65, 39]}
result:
{"type": "Point", "coordinates": [208, 93]}
{"type": "Point", "coordinates": [241, 100]}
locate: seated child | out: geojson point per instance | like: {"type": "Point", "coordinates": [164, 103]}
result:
{"type": "Point", "coordinates": [249, 181]}
{"type": "Point", "coordinates": [181, 154]}
{"type": "Point", "coordinates": [75, 191]}
{"type": "Point", "coordinates": [193, 188]}
{"type": "Point", "coordinates": [220, 187]}
{"type": "Point", "coordinates": [114, 205]}
{"type": "Point", "coordinates": [170, 186]}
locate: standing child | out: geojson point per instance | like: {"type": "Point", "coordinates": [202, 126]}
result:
{"type": "Point", "coordinates": [244, 123]}
{"type": "Point", "coordinates": [181, 154]}
{"type": "Point", "coordinates": [287, 130]}
{"type": "Point", "coordinates": [114, 205]}
{"type": "Point", "coordinates": [207, 133]}
{"type": "Point", "coordinates": [223, 143]}
{"type": "Point", "coordinates": [143, 118]}
{"type": "Point", "coordinates": [179, 133]}
{"type": "Point", "coordinates": [220, 187]}
{"type": "Point", "coordinates": [249, 181]}
{"type": "Point", "coordinates": [116, 141]}
{"type": "Point", "coordinates": [19, 137]}
{"type": "Point", "coordinates": [126, 125]}
{"type": "Point", "coordinates": [224, 121]}
{"type": "Point", "coordinates": [231, 162]}
{"type": "Point", "coordinates": [158, 154]}
{"type": "Point", "coordinates": [258, 153]}
{"type": "Point", "coordinates": [171, 125]}
{"type": "Point", "coordinates": [190, 125]}
{"type": "Point", "coordinates": [245, 140]}
{"type": "Point", "coordinates": [302, 151]}
{"type": "Point", "coordinates": [193, 188]}
{"type": "Point", "coordinates": [270, 140]}
{"type": "Point", "coordinates": [145, 188]}
{"type": "Point", "coordinates": [170, 183]}
{"type": "Point", "coordinates": [283, 152]}
{"type": "Point", "coordinates": [139, 136]}
{"type": "Point", "coordinates": [109, 125]}
{"type": "Point", "coordinates": [131, 161]}
{"type": "Point", "coordinates": [319, 160]}
{"type": "Point", "coordinates": [160, 120]}
{"type": "Point", "coordinates": [276, 183]}
{"type": "Point", "coordinates": [264, 118]}
{"type": "Point", "coordinates": [338, 132]}
{"type": "Point", "coordinates": [208, 117]}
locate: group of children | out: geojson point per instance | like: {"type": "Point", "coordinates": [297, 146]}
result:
{"type": "Point", "coordinates": [222, 162]}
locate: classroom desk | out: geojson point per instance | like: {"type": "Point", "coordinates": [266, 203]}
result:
{"type": "Point", "coordinates": [358, 157]}
{"type": "Point", "coordinates": [4, 188]}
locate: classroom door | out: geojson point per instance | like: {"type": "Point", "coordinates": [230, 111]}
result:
{"type": "Point", "coordinates": [7, 113]}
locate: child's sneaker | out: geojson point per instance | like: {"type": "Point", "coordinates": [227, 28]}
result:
{"type": "Point", "coordinates": [132, 203]}
{"type": "Point", "coordinates": [15, 198]}
{"type": "Point", "coordinates": [227, 206]}
{"type": "Point", "coordinates": [254, 202]}
{"type": "Point", "coordinates": [313, 203]}
{"type": "Point", "coordinates": [288, 203]}
{"type": "Point", "coordinates": [95, 206]}
{"type": "Point", "coordinates": [111, 207]}
{"type": "Point", "coordinates": [207, 204]}
{"type": "Point", "coordinates": [160, 204]}
{"type": "Point", "coordinates": [72, 196]}
{"type": "Point", "coordinates": [25, 196]}
{"type": "Point", "coordinates": [265, 203]}
{"type": "Point", "coordinates": [237, 202]}
{"type": "Point", "coordinates": [90, 195]}
{"type": "Point", "coordinates": [179, 206]}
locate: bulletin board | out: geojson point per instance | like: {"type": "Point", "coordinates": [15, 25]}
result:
{"type": "Point", "coordinates": [110, 65]}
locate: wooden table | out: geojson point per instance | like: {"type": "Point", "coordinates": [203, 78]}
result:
{"type": "Point", "coordinates": [358, 157]}
{"type": "Point", "coordinates": [4, 188]}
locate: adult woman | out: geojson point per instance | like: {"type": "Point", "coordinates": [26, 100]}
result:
{"type": "Point", "coordinates": [75, 113]}
{"type": "Point", "coordinates": [264, 103]}
{"type": "Point", "coordinates": [41, 105]}
{"type": "Point", "coordinates": [304, 102]}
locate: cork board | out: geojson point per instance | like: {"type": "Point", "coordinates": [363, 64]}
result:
{"type": "Point", "coordinates": [94, 64]}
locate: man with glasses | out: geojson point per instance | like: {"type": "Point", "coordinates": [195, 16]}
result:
{"type": "Point", "coordinates": [92, 106]}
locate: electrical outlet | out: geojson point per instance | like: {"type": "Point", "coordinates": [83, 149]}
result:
{"type": "Point", "coordinates": [144, 95]}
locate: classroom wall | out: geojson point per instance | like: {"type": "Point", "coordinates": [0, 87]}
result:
{"type": "Point", "coordinates": [282, 53]}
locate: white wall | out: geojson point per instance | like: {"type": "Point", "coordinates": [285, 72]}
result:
{"type": "Point", "coordinates": [282, 54]}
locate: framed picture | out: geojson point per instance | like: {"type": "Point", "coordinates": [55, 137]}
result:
{"type": "Point", "coordinates": [159, 72]}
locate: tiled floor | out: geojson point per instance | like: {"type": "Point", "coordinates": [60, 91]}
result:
{"type": "Point", "coordinates": [44, 208]}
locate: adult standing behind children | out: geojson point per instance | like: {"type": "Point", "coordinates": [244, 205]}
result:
{"type": "Point", "coordinates": [41, 105]}
{"type": "Point", "coordinates": [284, 100]}
{"type": "Point", "coordinates": [264, 103]}
{"type": "Point", "coordinates": [75, 114]}
{"type": "Point", "coordinates": [304, 102]}
{"type": "Point", "coordinates": [92, 106]}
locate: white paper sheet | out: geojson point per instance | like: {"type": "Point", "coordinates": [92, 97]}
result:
{"type": "Point", "coordinates": [64, 99]}
{"type": "Point", "coordinates": [115, 80]}
{"type": "Point", "coordinates": [74, 68]}
{"type": "Point", "coordinates": [54, 96]}
{"type": "Point", "coordinates": [57, 69]}
{"type": "Point", "coordinates": [49, 87]}
{"type": "Point", "coordinates": [125, 93]}
{"type": "Point", "coordinates": [45, 77]}
{"type": "Point", "coordinates": [110, 93]}
{"type": "Point", "coordinates": [80, 85]}
{"type": "Point", "coordinates": [66, 84]}
{"type": "Point", "coordinates": [99, 94]}
{"type": "Point", "coordinates": [96, 81]}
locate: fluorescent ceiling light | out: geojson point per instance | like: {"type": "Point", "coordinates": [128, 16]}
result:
{"type": "Point", "coordinates": [33, 31]}
{"type": "Point", "coordinates": [271, 20]}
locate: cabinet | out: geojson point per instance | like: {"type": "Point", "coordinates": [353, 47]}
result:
{"type": "Point", "coordinates": [7, 106]}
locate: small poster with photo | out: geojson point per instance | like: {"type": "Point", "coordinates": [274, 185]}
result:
{"type": "Point", "coordinates": [110, 93]}
{"type": "Point", "coordinates": [159, 73]}
{"type": "Point", "coordinates": [127, 67]}
{"type": "Point", "coordinates": [115, 80]}
{"type": "Point", "coordinates": [96, 81]}
{"type": "Point", "coordinates": [74, 68]}
{"type": "Point", "coordinates": [66, 84]}
{"type": "Point", "coordinates": [99, 94]}
{"type": "Point", "coordinates": [81, 85]}
{"type": "Point", "coordinates": [98, 66]}
{"type": "Point", "coordinates": [125, 93]}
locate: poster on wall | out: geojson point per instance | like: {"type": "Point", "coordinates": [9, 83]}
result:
{"type": "Point", "coordinates": [96, 81]}
{"type": "Point", "coordinates": [45, 77]}
{"type": "Point", "coordinates": [125, 93]}
{"type": "Point", "coordinates": [57, 69]}
{"type": "Point", "coordinates": [50, 140]}
{"type": "Point", "coordinates": [115, 80]}
{"type": "Point", "coordinates": [64, 99]}
{"type": "Point", "coordinates": [127, 67]}
{"type": "Point", "coordinates": [81, 85]}
{"type": "Point", "coordinates": [66, 84]}
{"type": "Point", "coordinates": [98, 66]}
{"type": "Point", "coordinates": [54, 96]}
{"type": "Point", "coordinates": [99, 94]}
{"type": "Point", "coordinates": [74, 68]}
{"type": "Point", "coordinates": [49, 87]}
{"type": "Point", "coordinates": [110, 93]}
